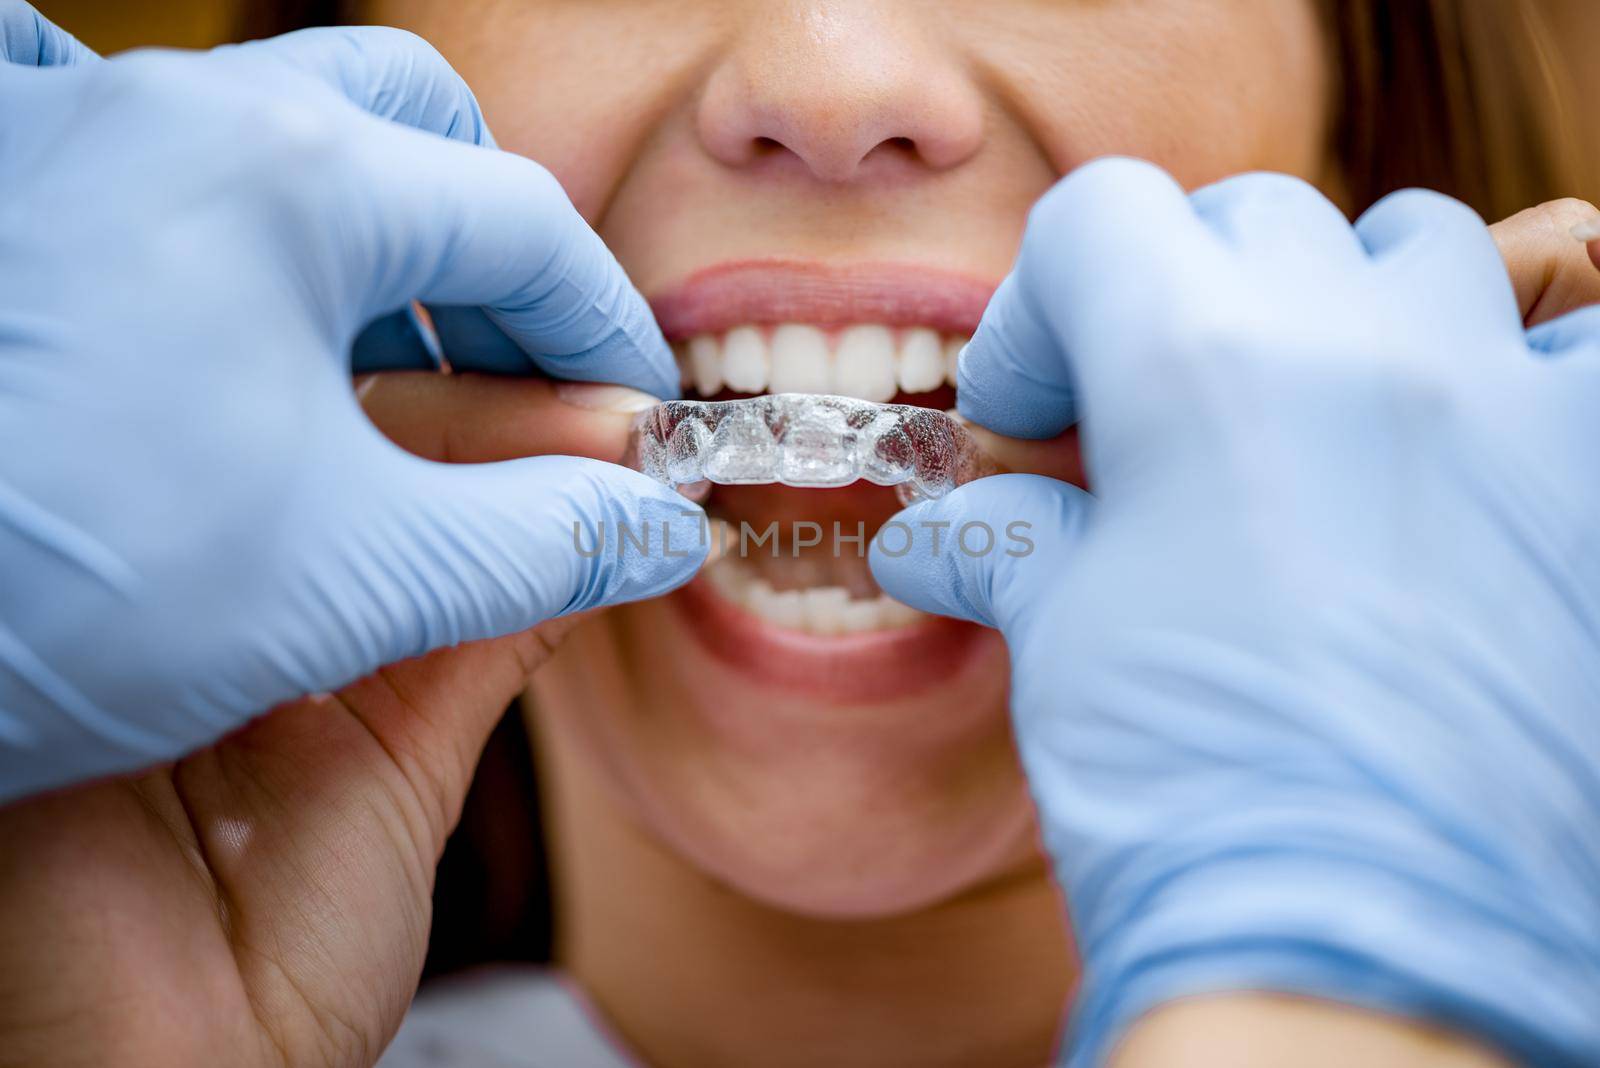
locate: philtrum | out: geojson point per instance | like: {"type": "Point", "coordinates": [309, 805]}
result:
{"type": "Point", "coordinates": [805, 439]}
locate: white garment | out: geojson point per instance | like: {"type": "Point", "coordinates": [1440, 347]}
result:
{"type": "Point", "coordinates": [503, 1017]}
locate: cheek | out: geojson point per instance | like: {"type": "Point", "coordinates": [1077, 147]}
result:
{"type": "Point", "coordinates": [577, 86]}
{"type": "Point", "coordinates": [1206, 88]}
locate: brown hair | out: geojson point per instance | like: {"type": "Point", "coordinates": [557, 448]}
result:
{"type": "Point", "coordinates": [1469, 97]}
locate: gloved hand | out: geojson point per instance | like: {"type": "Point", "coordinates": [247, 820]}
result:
{"type": "Point", "coordinates": [29, 39]}
{"type": "Point", "coordinates": [1307, 691]}
{"type": "Point", "coordinates": [196, 521]}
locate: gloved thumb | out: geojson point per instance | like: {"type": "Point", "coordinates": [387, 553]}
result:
{"type": "Point", "coordinates": [985, 551]}
{"type": "Point", "coordinates": [28, 39]}
{"type": "Point", "coordinates": [453, 553]}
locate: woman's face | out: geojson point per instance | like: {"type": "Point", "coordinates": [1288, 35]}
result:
{"type": "Point", "coordinates": [806, 167]}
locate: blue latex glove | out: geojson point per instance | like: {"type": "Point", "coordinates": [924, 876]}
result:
{"type": "Point", "coordinates": [29, 39]}
{"type": "Point", "coordinates": [1308, 692]}
{"type": "Point", "coordinates": [196, 520]}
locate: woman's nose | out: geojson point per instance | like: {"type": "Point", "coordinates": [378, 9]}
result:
{"type": "Point", "coordinates": [846, 89]}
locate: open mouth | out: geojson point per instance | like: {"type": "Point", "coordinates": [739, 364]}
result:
{"type": "Point", "coordinates": [789, 591]}
{"type": "Point", "coordinates": [796, 558]}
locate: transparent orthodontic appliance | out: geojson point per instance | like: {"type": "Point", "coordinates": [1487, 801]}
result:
{"type": "Point", "coordinates": [806, 439]}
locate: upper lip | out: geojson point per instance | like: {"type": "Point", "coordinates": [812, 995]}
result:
{"type": "Point", "coordinates": [719, 298]}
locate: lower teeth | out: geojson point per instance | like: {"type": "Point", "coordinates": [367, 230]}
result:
{"type": "Point", "coordinates": [815, 610]}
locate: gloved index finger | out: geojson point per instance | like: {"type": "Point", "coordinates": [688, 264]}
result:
{"type": "Point", "coordinates": [396, 75]}
{"type": "Point", "coordinates": [586, 320]}
{"type": "Point", "coordinates": [28, 39]}
{"type": "Point", "coordinates": [457, 224]}
{"type": "Point", "coordinates": [1097, 262]}
{"type": "Point", "coordinates": [392, 74]}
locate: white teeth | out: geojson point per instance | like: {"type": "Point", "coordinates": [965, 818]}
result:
{"type": "Point", "coordinates": [860, 361]}
{"type": "Point", "coordinates": [731, 581]}
{"type": "Point", "coordinates": [801, 362]}
{"type": "Point", "coordinates": [825, 606]}
{"type": "Point", "coordinates": [787, 608]}
{"type": "Point", "coordinates": [952, 353]}
{"type": "Point", "coordinates": [921, 361]}
{"type": "Point", "coordinates": [856, 616]}
{"type": "Point", "coordinates": [864, 363]}
{"type": "Point", "coordinates": [824, 610]}
{"type": "Point", "coordinates": [705, 365]}
{"type": "Point", "coordinates": [744, 360]}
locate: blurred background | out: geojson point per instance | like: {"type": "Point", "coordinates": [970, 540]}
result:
{"type": "Point", "coordinates": [112, 27]}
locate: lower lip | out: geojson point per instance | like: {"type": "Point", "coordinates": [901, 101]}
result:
{"type": "Point", "coordinates": [847, 669]}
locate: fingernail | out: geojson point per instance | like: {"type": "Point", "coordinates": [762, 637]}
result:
{"type": "Point", "coordinates": [981, 434]}
{"type": "Point", "coordinates": [600, 397]}
{"type": "Point", "coordinates": [1588, 230]}
{"type": "Point", "coordinates": [992, 445]}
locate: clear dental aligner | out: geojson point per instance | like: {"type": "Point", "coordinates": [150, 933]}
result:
{"type": "Point", "coordinates": [806, 439]}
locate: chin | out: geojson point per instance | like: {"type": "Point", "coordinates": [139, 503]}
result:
{"type": "Point", "coordinates": [838, 861]}
{"type": "Point", "coordinates": [806, 804]}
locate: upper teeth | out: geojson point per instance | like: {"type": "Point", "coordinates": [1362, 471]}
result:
{"type": "Point", "coordinates": [866, 361]}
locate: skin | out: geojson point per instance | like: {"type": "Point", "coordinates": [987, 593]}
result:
{"type": "Point", "coordinates": [266, 901]}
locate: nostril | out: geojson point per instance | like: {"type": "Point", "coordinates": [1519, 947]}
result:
{"type": "Point", "coordinates": [842, 164]}
{"type": "Point", "coordinates": [904, 148]}
{"type": "Point", "coordinates": [832, 109]}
